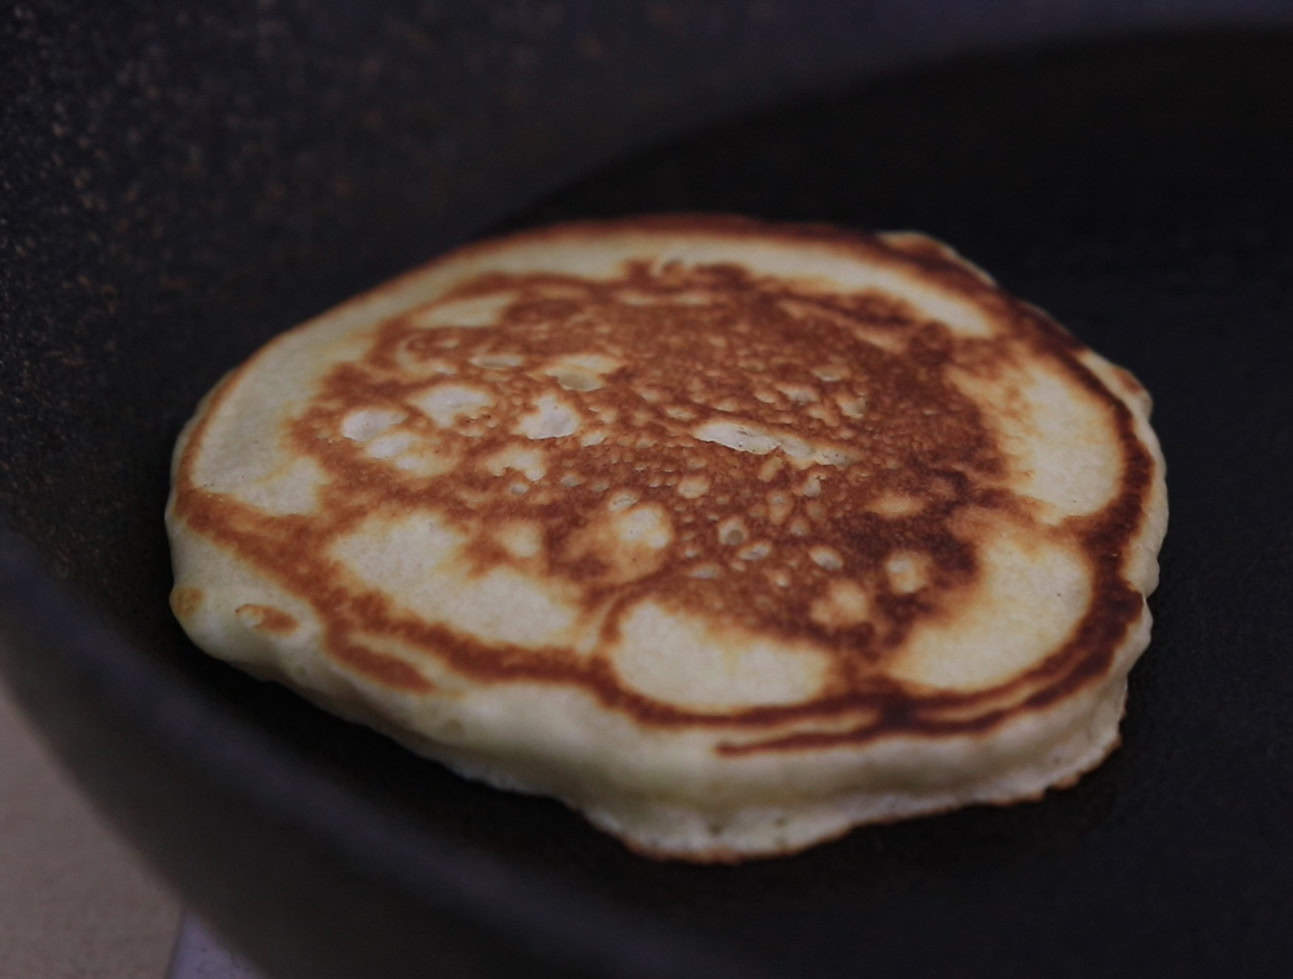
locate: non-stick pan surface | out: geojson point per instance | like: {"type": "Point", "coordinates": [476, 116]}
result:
{"type": "Point", "coordinates": [1139, 190]}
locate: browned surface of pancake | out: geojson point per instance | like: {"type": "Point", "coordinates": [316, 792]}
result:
{"type": "Point", "coordinates": [905, 469]}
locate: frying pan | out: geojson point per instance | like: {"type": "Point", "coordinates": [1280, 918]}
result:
{"type": "Point", "coordinates": [182, 183]}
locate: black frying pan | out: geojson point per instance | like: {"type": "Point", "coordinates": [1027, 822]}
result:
{"type": "Point", "coordinates": [179, 186]}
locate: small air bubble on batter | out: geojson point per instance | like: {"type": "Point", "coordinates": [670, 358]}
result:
{"type": "Point", "coordinates": [826, 558]}
{"type": "Point", "coordinates": [732, 532]}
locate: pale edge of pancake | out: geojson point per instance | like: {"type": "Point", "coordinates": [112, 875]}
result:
{"type": "Point", "coordinates": [666, 793]}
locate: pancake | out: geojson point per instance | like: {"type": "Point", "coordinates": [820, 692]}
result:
{"type": "Point", "coordinates": [730, 535]}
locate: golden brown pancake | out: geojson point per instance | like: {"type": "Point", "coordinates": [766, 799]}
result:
{"type": "Point", "coordinates": [730, 535]}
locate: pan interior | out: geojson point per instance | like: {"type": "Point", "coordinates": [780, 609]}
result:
{"type": "Point", "coordinates": [1137, 191]}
